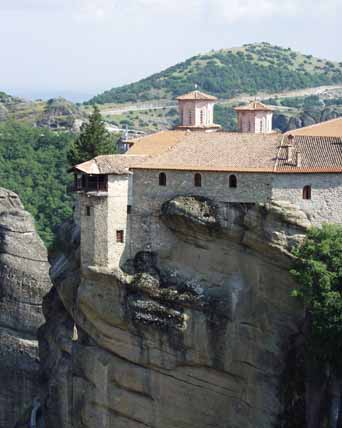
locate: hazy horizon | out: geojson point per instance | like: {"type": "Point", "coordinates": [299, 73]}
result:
{"type": "Point", "coordinates": [78, 48]}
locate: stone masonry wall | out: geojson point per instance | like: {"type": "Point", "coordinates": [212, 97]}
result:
{"type": "Point", "coordinates": [148, 233]}
{"type": "Point", "coordinates": [326, 196]}
{"type": "Point", "coordinates": [251, 121]}
{"type": "Point", "coordinates": [93, 228]}
{"type": "Point", "coordinates": [108, 214]}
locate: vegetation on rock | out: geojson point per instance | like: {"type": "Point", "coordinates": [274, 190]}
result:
{"type": "Point", "coordinates": [93, 140]}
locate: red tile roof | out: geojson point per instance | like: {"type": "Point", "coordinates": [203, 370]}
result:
{"type": "Point", "coordinates": [109, 164]}
{"type": "Point", "coordinates": [254, 106]}
{"type": "Point", "coordinates": [318, 154]}
{"type": "Point", "coordinates": [218, 151]}
{"type": "Point", "coordinates": [223, 151]}
{"type": "Point", "coordinates": [196, 96]}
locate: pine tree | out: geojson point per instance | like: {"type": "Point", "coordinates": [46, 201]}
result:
{"type": "Point", "coordinates": [93, 140]}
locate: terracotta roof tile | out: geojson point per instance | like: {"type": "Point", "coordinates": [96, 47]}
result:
{"type": "Point", "coordinates": [157, 143]}
{"type": "Point", "coordinates": [218, 151]}
{"type": "Point", "coordinates": [254, 106]}
{"type": "Point", "coordinates": [223, 151]}
{"type": "Point", "coordinates": [109, 164]}
{"type": "Point", "coordinates": [318, 154]}
{"type": "Point", "coordinates": [196, 95]}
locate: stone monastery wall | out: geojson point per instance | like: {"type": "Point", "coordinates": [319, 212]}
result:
{"type": "Point", "coordinates": [132, 207]}
{"type": "Point", "coordinates": [148, 233]}
{"type": "Point", "coordinates": [101, 218]}
{"type": "Point", "coordinates": [325, 205]}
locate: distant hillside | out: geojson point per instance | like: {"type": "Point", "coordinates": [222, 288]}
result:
{"type": "Point", "coordinates": [230, 72]}
{"type": "Point", "coordinates": [55, 114]}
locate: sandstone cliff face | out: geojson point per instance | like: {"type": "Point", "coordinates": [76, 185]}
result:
{"type": "Point", "coordinates": [24, 280]}
{"type": "Point", "coordinates": [195, 337]}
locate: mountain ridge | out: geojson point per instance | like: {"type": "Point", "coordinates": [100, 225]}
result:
{"type": "Point", "coordinates": [230, 72]}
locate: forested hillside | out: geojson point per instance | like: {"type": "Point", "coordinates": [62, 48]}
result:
{"type": "Point", "coordinates": [33, 163]}
{"type": "Point", "coordinates": [229, 72]}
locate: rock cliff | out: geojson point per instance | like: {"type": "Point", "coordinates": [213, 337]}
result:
{"type": "Point", "coordinates": [195, 337]}
{"type": "Point", "coordinates": [24, 280]}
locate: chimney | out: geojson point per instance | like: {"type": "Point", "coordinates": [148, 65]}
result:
{"type": "Point", "coordinates": [289, 149]}
{"type": "Point", "coordinates": [299, 160]}
{"type": "Point", "coordinates": [289, 155]}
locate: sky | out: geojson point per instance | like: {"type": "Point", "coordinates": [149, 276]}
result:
{"type": "Point", "coordinates": [78, 48]}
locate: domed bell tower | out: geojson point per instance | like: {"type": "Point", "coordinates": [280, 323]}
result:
{"type": "Point", "coordinates": [196, 111]}
{"type": "Point", "coordinates": [255, 118]}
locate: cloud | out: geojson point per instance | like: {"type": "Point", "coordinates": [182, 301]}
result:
{"type": "Point", "coordinates": [230, 11]}
{"type": "Point", "coordinates": [234, 10]}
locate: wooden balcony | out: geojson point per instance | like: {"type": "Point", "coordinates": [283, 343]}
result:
{"type": "Point", "coordinates": [91, 183]}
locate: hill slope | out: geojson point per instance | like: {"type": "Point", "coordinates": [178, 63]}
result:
{"type": "Point", "coordinates": [56, 113]}
{"type": "Point", "coordinates": [229, 72]}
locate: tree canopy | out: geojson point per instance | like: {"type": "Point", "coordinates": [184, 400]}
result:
{"type": "Point", "coordinates": [33, 163]}
{"type": "Point", "coordinates": [318, 272]}
{"type": "Point", "coordinates": [93, 140]}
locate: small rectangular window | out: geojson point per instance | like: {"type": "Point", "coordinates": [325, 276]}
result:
{"type": "Point", "coordinates": [129, 209]}
{"type": "Point", "coordinates": [120, 236]}
{"type": "Point", "coordinates": [88, 212]}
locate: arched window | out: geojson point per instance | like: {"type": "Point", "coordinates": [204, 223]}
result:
{"type": "Point", "coordinates": [307, 192]}
{"type": "Point", "coordinates": [198, 180]}
{"type": "Point", "coordinates": [162, 179]}
{"type": "Point", "coordinates": [232, 181]}
{"type": "Point", "coordinates": [202, 117]}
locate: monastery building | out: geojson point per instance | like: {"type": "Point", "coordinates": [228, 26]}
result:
{"type": "Point", "coordinates": [120, 196]}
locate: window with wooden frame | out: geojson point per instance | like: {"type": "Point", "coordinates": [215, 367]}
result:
{"type": "Point", "coordinates": [307, 192]}
{"type": "Point", "coordinates": [162, 179]}
{"type": "Point", "coordinates": [198, 180]}
{"type": "Point", "coordinates": [120, 236]}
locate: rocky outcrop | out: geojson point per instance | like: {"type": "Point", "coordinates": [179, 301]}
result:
{"type": "Point", "coordinates": [287, 123]}
{"type": "Point", "coordinates": [59, 114]}
{"type": "Point", "coordinates": [24, 280]}
{"type": "Point", "coordinates": [194, 337]}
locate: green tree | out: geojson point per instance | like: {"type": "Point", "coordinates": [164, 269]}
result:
{"type": "Point", "coordinates": [93, 140]}
{"type": "Point", "coordinates": [33, 163]}
{"type": "Point", "coordinates": [318, 273]}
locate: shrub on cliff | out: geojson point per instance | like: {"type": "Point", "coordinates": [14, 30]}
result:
{"type": "Point", "coordinates": [318, 272]}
